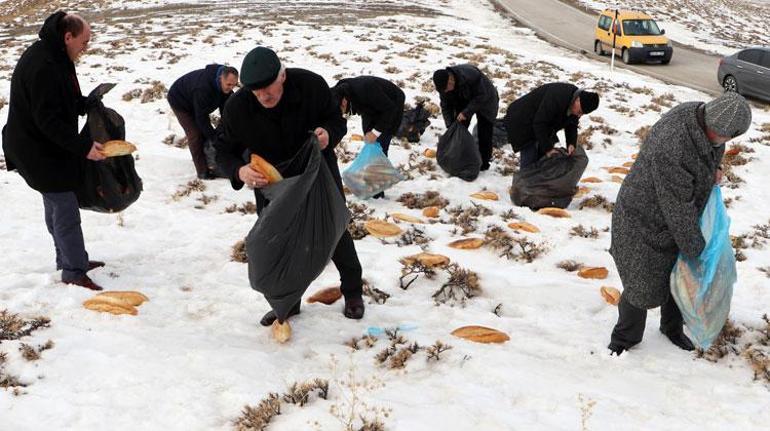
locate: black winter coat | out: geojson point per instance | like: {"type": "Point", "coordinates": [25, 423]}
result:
{"type": "Point", "coordinates": [41, 139]}
{"type": "Point", "coordinates": [199, 93]}
{"type": "Point", "coordinates": [277, 134]}
{"type": "Point", "coordinates": [474, 93]}
{"type": "Point", "coordinates": [379, 102]}
{"type": "Point", "coordinates": [539, 114]}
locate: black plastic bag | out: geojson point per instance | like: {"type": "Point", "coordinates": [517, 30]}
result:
{"type": "Point", "coordinates": [458, 154]}
{"type": "Point", "coordinates": [414, 123]}
{"type": "Point", "coordinates": [551, 182]}
{"type": "Point", "coordinates": [499, 134]}
{"type": "Point", "coordinates": [110, 185]}
{"type": "Point", "coordinates": [297, 232]}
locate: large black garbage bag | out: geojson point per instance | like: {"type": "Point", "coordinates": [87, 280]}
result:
{"type": "Point", "coordinates": [296, 234]}
{"type": "Point", "coordinates": [110, 185]}
{"type": "Point", "coordinates": [458, 154]}
{"type": "Point", "coordinates": [499, 135]}
{"type": "Point", "coordinates": [414, 123]}
{"type": "Point", "coordinates": [551, 182]}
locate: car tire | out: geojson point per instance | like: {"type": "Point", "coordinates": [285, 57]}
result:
{"type": "Point", "coordinates": [730, 83]}
{"type": "Point", "coordinates": [666, 61]}
{"type": "Point", "coordinates": [626, 56]}
{"type": "Point", "coordinates": [599, 48]}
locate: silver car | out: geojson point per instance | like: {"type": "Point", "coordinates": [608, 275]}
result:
{"type": "Point", "coordinates": [747, 72]}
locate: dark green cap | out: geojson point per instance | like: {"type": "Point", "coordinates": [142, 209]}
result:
{"type": "Point", "coordinates": [260, 68]}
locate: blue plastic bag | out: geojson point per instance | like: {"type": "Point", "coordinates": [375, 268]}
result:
{"type": "Point", "coordinates": [703, 287]}
{"type": "Point", "coordinates": [371, 172]}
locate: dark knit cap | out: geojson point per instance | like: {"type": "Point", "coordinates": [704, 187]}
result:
{"type": "Point", "coordinates": [260, 68]}
{"type": "Point", "coordinates": [440, 79]}
{"type": "Point", "coordinates": [589, 101]}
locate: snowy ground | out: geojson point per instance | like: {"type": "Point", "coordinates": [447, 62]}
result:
{"type": "Point", "coordinates": [195, 355]}
{"type": "Point", "coordinates": [718, 26]}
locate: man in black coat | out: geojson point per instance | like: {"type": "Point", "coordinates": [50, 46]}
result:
{"type": "Point", "coordinates": [533, 119]}
{"type": "Point", "coordinates": [271, 117]}
{"type": "Point", "coordinates": [380, 104]}
{"type": "Point", "coordinates": [465, 91]}
{"type": "Point", "coordinates": [192, 98]}
{"type": "Point", "coordinates": [41, 139]}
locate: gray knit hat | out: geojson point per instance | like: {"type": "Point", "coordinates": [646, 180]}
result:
{"type": "Point", "coordinates": [728, 115]}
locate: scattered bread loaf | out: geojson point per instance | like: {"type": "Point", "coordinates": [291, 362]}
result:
{"type": "Point", "coordinates": [467, 243]}
{"type": "Point", "coordinates": [381, 228]}
{"type": "Point", "coordinates": [485, 195]}
{"type": "Point", "coordinates": [281, 331]}
{"type": "Point", "coordinates": [481, 334]}
{"type": "Point", "coordinates": [429, 260]}
{"type": "Point", "coordinates": [598, 273]}
{"type": "Point", "coordinates": [109, 304]}
{"type": "Point", "coordinates": [133, 298]}
{"type": "Point", "coordinates": [327, 296]}
{"type": "Point", "coordinates": [554, 212]}
{"type": "Point", "coordinates": [610, 294]}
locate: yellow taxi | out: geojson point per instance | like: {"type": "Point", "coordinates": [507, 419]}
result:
{"type": "Point", "coordinates": [636, 35]}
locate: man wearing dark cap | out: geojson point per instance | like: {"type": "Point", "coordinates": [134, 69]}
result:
{"type": "Point", "coordinates": [466, 91]}
{"type": "Point", "coordinates": [533, 119]}
{"type": "Point", "coordinates": [271, 117]}
{"type": "Point", "coordinates": [658, 210]}
{"type": "Point", "coordinates": [192, 98]}
{"type": "Point", "coordinates": [42, 140]}
{"type": "Point", "coordinates": [380, 104]}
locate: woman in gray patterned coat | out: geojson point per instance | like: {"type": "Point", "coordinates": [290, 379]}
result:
{"type": "Point", "coordinates": [658, 210]}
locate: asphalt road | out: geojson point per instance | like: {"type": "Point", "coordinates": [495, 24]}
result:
{"type": "Point", "coordinates": [573, 28]}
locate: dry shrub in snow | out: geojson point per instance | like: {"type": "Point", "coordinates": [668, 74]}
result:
{"type": "Point", "coordinates": [581, 231]}
{"type": "Point", "coordinates": [513, 248]}
{"type": "Point", "coordinates": [299, 393]}
{"type": "Point", "coordinates": [259, 417]}
{"type": "Point", "coordinates": [462, 285]}
{"type": "Point", "coordinates": [376, 296]}
{"type": "Point", "coordinates": [597, 201]}
{"type": "Point", "coordinates": [413, 235]}
{"type": "Point", "coordinates": [173, 140]}
{"type": "Point", "coordinates": [245, 208]}
{"type": "Point", "coordinates": [411, 271]}
{"type": "Point", "coordinates": [157, 91]}
{"type": "Point", "coordinates": [423, 200]}
{"type": "Point", "coordinates": [3, 102]}
{"type": "Point", "coordinates": [33, 353]}
{"type": "Point", "coordinates": [239, 252]}
{"type": "Point", "coordinates": [569, 265]}
{"type": "Point", "coordinates": [13, 327]}
{"type": "Point", "coordinates": [750, 343]}
{"type": "Point", "coordinates": [195, 185]}
{"type": "Point", "coordinates": [360, 213]}
{"type": "Point", "coordinates": [642, 132]}
{"type": "Point", "coordinates": [466, 218]}
{"type": "Point", "coordinates": [434, 352]}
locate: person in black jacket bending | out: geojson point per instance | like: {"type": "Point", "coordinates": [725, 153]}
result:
{"type": "Point", "coordinates": [380, 104]}
{"type": "Point", "coordinates": [271, 117]}
{"type": "Point", "coordinates": [533, 119]}
{"type": "Point", "coordinates": [192, 98]}
{"type": "Point", "coordinates": [465, 91]}
{"type": "Point", "coordinates": [41, 139]}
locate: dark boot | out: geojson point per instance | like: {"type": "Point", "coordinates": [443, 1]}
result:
{"type": "Point", "coordinates": [93, 264]}
{"type": "Point", "coordinates": [680, 340]}
{"type": "Point", "coordinates": [485, 166]}
{"type": "Point", "coordinates": [354, 307]}
{"type": "Point", "coordinates": [270, 316]}
{"type": "Point", "coordinates": [380, 195]}
{"type": "Point", "coordinates": [616, 349]}
{"type": "Point", "coordinates": [86, 282]}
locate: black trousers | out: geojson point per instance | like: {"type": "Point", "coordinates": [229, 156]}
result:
{"type": "Point", "coordinates": [486, 129]}
{"type": "Point", "coordinates": [629, 330]}
{"type": "Point", "coordinates": [345, 257]}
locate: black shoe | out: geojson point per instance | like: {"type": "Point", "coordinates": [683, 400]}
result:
{"type": "Point", "coordinates": [485, 166]}
{"type": "Point", "coordinates": [616, 349]}
{"type": "Point", "coordinates": [380, 195]}
{"type": "Point", "coordinates": [680, 340]}
{"type": "Point", "coordinates": [270, 316]}
{"type": "Point", "coordinates": [208, 175]}
{"type": "Point", "coordinates": [354, 307]}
